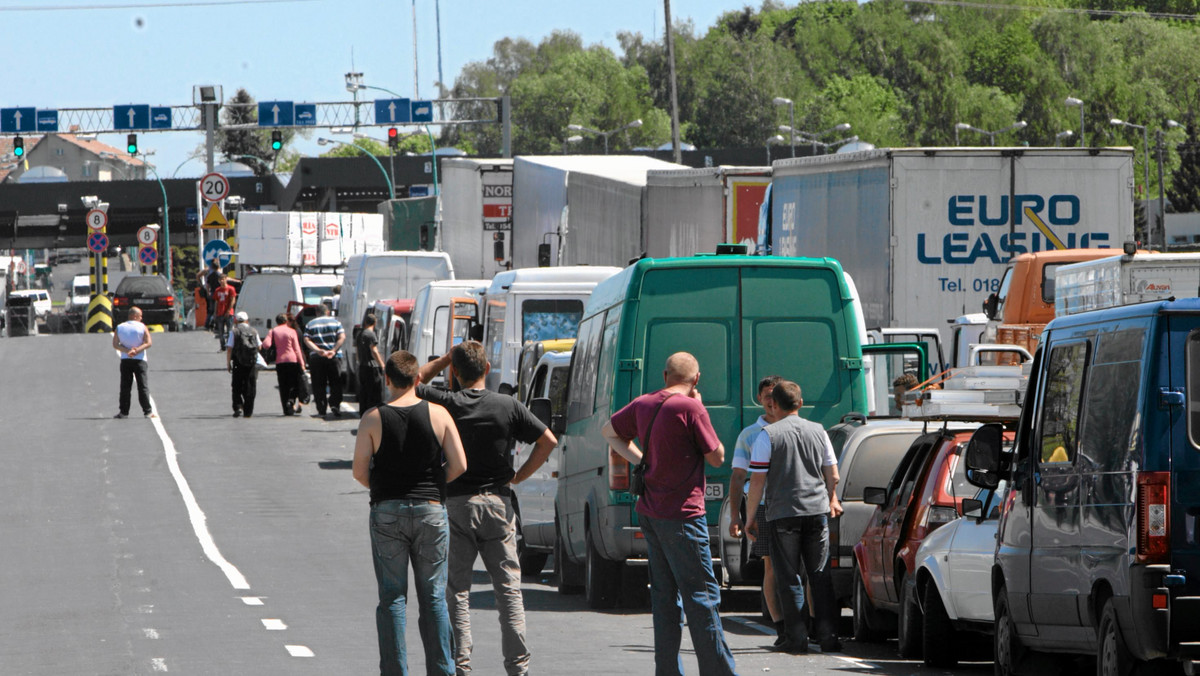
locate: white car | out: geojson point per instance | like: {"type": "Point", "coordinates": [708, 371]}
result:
{"type": "Point", "coordinates": [41, 301]}
{"type": "Point", "coordinates": [954, 578]}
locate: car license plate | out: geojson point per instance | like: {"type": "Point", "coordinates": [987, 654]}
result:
{"type": "Point", "coordinates": [714, 491]}
{"type": "Point", "coordinates": [143, 301]}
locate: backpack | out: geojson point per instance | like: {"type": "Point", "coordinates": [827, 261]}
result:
{"type": "Point", "coordinates": [245, 345]}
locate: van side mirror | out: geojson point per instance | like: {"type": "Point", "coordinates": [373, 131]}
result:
{"type": "Point", "coordinates": [983, 456]}
{"type": "Point", "coordinates": [543, 255]}
{"type": "Point", "coordinates": [540, 408]}
{"type": "Point", "coordinates": [982, 479]}
{"type": "Point", "coordinates": [506, 388]}
{"type": "Point", "coordinates": [972, 508]}
{"type": "Point", "coordinates": [875, 496]}
{"type": "Point", "coordinates": [991, 305]}
{"type": "Point", "coordinates": [558, 425]}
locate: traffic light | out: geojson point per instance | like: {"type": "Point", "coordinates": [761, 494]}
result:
{"type": "Point", "coordinates": [18, 146]}
{"type": "Point", "coordinates": [393, 138]}
{"type": "Point", "coordinates": [276, 140]}
{"type": "Point", "coordinates": [131, 144]}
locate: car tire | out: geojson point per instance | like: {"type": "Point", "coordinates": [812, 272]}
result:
{"type": "Point", "coordinates": [602, 578]}
{"type": "Point", "coordinates": [866, 618]}
{"type": "Point", "coordinates": [569, 574]}
{"type": "Point", "coordinates": [1112, 655]}
{"type": "Point", "coordinates": [1008, 652]}
{"type": "Point", "coordinates": [532, 560]}
{"type": "Point", "coordinates": [908, 631]}
{"type": "Point", "coordinates": [939, 638]}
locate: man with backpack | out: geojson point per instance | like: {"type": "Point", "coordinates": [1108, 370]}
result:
{"type": "Point", "coordinates": [241, 359]}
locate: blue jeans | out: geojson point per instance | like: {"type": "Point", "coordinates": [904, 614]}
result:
{"type": "Point", "coordinates": [681, 566]}
{"type": "Point", "coordinates": [416, 531]}
{"type": "Point", "coordinates": [800, 550]}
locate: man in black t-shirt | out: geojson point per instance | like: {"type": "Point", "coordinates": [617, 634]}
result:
{"type": "Point", "coordinates": [479, 503]}
{"type": "Point", "coordinates": [370, 367]}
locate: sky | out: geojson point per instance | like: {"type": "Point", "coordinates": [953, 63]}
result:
{"type": "Point", "coordinates": [100, 53]}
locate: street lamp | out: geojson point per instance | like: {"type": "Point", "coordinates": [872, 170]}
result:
{"type": "Point", "coordinates": [781, 101]}
{"type": "Point", "coordinates": [578, 127]}
{"type": "Point", "coordinates": [1146, 148]}
{"type": "Point", "coordinates": [990, 134]}
{"type": "Point", "coordinates": [835, 144]}
{"type": "Point", "coordinates": [1162, 188]}
{"type": "Point", "coordinates": [166, 226]}
{"type": "Point", "coordinates": [1072, 101]}
{"type": "Point", "coordinates": [1062, 136]}
{"type": "Point", "coordinates": [776, 140]}
{"type": "Point", "coordinates": [358, 84]}
{"type": "Point", "coordinates": [812, 137]}
{"type": "Point", "coordinates": [571, 139]}
{"type": "Point", "coordinates": [391, 188]}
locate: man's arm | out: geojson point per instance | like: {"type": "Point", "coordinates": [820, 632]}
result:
{"type": "Point", "coordinates": [452, 448]}
{"type": "Point", "coordinates": [737, 482]}
{"type": "Point", "coordinates": [716, 458]}
{"type": "Point", "coordinates": [621, 446]}
{"type": "Point", "coordinates": [541, 452]}
{"type": "Point", "coordinates": [370, 429]}
{"type": "Point", "coordinates": [432, 368]}
{"type": "Point", "coordinates": [341, 338]}
{"type": "Point", "coordinates": [118, 346]}
{"type": "Point", "coordinates": [758, 483]}
{"type": "Point", "coordinates": [830, 474]}
{"type": "Point", "coordinates": [375, 353]}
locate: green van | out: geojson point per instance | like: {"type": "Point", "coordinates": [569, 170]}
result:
{"type": "Point", "coordinates": [743, 317]}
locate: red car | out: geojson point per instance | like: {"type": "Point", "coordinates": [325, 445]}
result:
{"type": "Point", "coordinates": [925, 491]}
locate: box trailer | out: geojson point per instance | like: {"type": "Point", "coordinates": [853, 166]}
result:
{"type": "Point", "coordinates": [927, 232]}
{"type": "Point", "coordinates": [294, 238]}
{"type": "Point", "coordinates": [477, 215]}
{"type": "Point", "coordinates": [1121, 280]}
{"type": "Point", "coordinates": [689, 211]}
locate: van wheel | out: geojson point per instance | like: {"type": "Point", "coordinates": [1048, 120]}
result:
{"type": "Point", "coordinates": [1112, 655]}
{"type": "Point", "coordinates": [911, 623]}
{"type": "Point", "coordinates": [1008, 651]}
{"type": "Point", "coordinates": [532, 560]}
{"type": "Point", "coordinates": [568, 573]}
{"type": "Point", "coordinates": [939, 638]}
{"type": "Point", "coordinates": [602, 578]}
{"type": "Point", "coordinates": [866, 618]}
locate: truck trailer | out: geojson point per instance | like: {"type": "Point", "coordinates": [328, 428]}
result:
{"type": "Point", "coordinates": [1125, 279]}
{"type": "Point", "coordinates": [689, 211]}
{"type": "Point", "coordinates": [477, 215]}
{"type": "Point", "coordinates": [927, 232]}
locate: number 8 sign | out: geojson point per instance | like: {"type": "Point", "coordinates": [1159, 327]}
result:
{"type": "Point", "coordinates": [214, 187]}
{"type": "Point", "coordinates": [96, 220]}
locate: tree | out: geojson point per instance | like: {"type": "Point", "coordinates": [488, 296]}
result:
{"type": "Point", "coordinates": [348, 148]}
{"type": "Point", "coordinates": [240, 135]}
{"type": "Point", "coordinates": [1184, 192]}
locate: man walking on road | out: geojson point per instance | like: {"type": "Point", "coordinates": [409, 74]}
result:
{"type": "Point", "coordinates": [131, 338]}
{"type": "Point", "coordinates": [482, 520]}
{"type": "Point", "coordinates": [793, 463]}
{"type": "Point", "coordinates": [398, 455]}
{"type": "Point", "coordinates": [225, 298]}
{"type": "Point", "coordinates": [737, 490]}
{"type": "Point", "coordinates": [324, 337]}
{"type": "Point", "coordinates": [677, 439]}
{"type": "Point", "coordinates": [241, 359]}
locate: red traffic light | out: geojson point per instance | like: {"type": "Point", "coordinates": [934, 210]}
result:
{"type": "Point", "coordinates": [393, 132]}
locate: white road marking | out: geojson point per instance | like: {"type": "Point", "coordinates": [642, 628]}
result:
{"type": "Point", "coordinates": [299, 651]}
{"type": "Point", "coordinates": [159, 664]}
{"type": "Point", "coordinates": [857, 663]}
{"type": "Point", "coordinates": [199, 521]}
{"type": "Point", "coordinates": [146, 609]}
{"type": "Point", "coordinates": [252, 600]}
{"type": "Point", "coordinates": [757, 626]}
{"type": "Point", "coordinates": [274, 625]}
{"type": "Point", "coordinates": [150, 633]}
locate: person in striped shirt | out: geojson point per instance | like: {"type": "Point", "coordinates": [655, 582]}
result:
{"type": "Point", "coordinates": [324, 337]}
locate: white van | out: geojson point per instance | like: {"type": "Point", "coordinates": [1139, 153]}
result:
{"type": "Point", "coordinates": [429, 326]}
{"type": "Point", "coordinates": [80, 294]}
{"type": "Point", "coordinates": [533, 304]}
{"type": "Point", "coordinates": [266, 294]}
{"type": "Point", "coordinates": [390, 275]}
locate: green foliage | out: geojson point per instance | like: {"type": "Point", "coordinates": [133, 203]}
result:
{"type": "Point", "coordinates": [355, 147]}
{"type": "Point", "coordinates": [234, 144]}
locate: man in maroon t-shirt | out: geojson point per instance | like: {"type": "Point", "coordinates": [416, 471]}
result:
{"type": "Point", "coordinates": [225, 298]}
{"type": "Point", "coordinates": [672, 516]}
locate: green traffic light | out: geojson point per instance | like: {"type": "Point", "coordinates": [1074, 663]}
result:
{"type": "Point", "coordinates": [18, 146]}
{"type": "Point", "coordinates": [131, 144]}
{"type": "Point", "coordinates": [276, 145]}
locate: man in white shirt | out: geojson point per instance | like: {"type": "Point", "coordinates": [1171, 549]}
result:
{"type": "Point", "coordinates": [132, 339]}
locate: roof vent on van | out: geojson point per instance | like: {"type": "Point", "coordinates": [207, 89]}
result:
{"type": "Point", "coordinates": [733, 249]}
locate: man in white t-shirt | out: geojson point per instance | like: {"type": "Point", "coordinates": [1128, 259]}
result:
{"type": "Point", "coordinates": [132, 339]}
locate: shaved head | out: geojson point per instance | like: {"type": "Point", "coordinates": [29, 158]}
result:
{"type": "Point", "coordinates": [135, 313]}
{"type": "Point", "coordinates": [682, 367]}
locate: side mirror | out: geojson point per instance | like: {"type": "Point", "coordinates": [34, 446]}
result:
{"type": "Point", "coordinates": [505, 388]}
{"type": "Point", "coordinates": [972, 508]}
{"type": "Point", "coordinates": [432, 357]}
{"type": "Point", "coordinates": [540, 408]}
{"type": "Point", "coordinates": [558, 425]}
{"type": "Point", "coordinates": [982, 479]}
{"type": "Point", "coordinates": [476, 333]}
{"type": "Point", "coordinates": [875, 496]}
{"type": "Point", "coordinates": [991, 305]}
{"type": "Point", "coordinates": [983, 451]}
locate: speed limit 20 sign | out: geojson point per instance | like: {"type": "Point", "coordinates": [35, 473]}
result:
{"type": "Point", "coordinates": [214, 187]}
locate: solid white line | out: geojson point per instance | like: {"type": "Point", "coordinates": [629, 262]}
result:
{"type": "Point", "coordinates": [299, 651]}
{"type": "Point", "coordinates": [274, 625]}
{"type": "Point", "coordinates": [199, 522]}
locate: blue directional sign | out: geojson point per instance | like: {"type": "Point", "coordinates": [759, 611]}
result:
{"type": "Point", "coordinates": [306, 114]}
{"type": "Point", "coordinates": [191, 216]}
{"type": "Point", "coordinates": [17, 120]}
{"type": "Point", "coordinates": [276, 113]}
{"type": "Point", "coordinates": [392, 111]}
{"type": "Point", "coordinates": [160, 118]}
{"type": "Point", "coordinates": [217, 249]}
{"type": "Point", "coordinates": [47, 120]}
{"type": "Point", "coordinates": [131, 117]}
{"type": "Point", "coordinates": [418, 191]}
{"type": "Point", "coordinates": [422, 111]}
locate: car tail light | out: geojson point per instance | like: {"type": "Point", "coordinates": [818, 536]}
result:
{"type": "Point", "coordinates": [1153, 517]}
{"type": "Point", "coordinates": [119, 301]}
{"type": "Point", "coordinates": [169, 300]}
{"type": "Point", "coordinates": [939, 515]}
{"type": "Point", "coordinates": [618, 471]}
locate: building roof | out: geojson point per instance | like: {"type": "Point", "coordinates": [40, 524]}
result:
{"type": "Point", "coordinates": [95, 147]}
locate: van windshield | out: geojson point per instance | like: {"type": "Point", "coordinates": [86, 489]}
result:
{"type": "Point", "coordinates": [548, 319]}
{"type": "Point", "coordinates": [394, 277]}
{"type": "Point", "coordinates": [313, 294]}
{"type": "Point", "coordinates": [82, 289]}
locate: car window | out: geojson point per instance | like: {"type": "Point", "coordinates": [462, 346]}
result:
{"type": "Point", "coordinates": [148, 286]}
{"type": "Point", "coordinates": [1109, 432]}
{"type": "Point", "coordinates": [873, 463]}
{"type": "Point", "coordinates": [1059, 438]}
{"type": "Point", "coordinates": [313, 294]}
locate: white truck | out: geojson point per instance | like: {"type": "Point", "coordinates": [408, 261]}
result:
{"type": "Point", "coordinates": [927, 232]}
{"type": "Point", "coordinates": [1125, 279]}
{"type": "Point", "coordinates": [477, 215]}
{"type": "Point", "coordinates": [296, 238]}
{"type": "Point", "coordinates": [689, 211]}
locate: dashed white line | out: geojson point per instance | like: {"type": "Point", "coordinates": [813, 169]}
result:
{"type": "Point", "coordinates": [158, 664]}
{"type": "Point", "coordinates": [252, 600]}
{"type": "Point", "coordinates": [150, 633]}
{"type": "Point", "coordinates": [274, 625]}
{"type": "Point", "coordinates": [299, 651]}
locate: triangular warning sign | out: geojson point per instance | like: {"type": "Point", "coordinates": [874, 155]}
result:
{"type": "Point", "coordinates": [214, 219]}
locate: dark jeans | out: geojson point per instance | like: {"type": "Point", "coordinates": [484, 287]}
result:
{"type": "Point", "coordinates": [135, 369]}
{"type": "Point", "coordinates": [681, 566]}
{"type": "Point", "coordinates": [222, 326]}
{"type": "Point", "coordinates": [245, 387]}
{"type": "Point", "coordinates": [325, 373]}
{"type": "Point", "coordinates": [800, 550]}
{"type": "Point", "coordinates": [370, 387]}
{"type": "Point", "coordinates": [288, 375]}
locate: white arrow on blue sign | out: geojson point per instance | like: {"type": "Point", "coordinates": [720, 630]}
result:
{"type": "Point", "coordinates": [276, 114]}
{"type": "Point", "coordinates": [47, 120]}
{"type": "Point", "coordinates": [217, 249]}
{"type": "Point", "coordinates": [422, 111]}
{"type": "Point", "coordinates": [17, 120]}
{"type": "Point", "coordinates": [392, 111]}
{"type": "Point", "coordinates": [131, 117]}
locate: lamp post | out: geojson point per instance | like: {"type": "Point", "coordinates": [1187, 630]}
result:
{"type": "Point", "coordinates": [571, 139]}
{"type": "Point", "coordinates": [166, 224]}
{"type": "Point", "coordinates": [358, 84]}
{"type": "Point", "coordinates": [834, 144]}
{"type": "Point", "coordinates": [990, 134]}
{"type": "Point", "coordinates": [578, 127]}
{"type": "Point", "coordinates": [781, 101]}
{"type": "Point", "coordinates": [1062, 136]}
{"type": "Point", "coordinates": [775, 140]}
{"type": "Point", "coordinates": [1072, 101]}
{"type": "Point", "coordinates": [811, 137]}
{"type": "Point", "coordinates": [391, 188]}
{"type": "Point", "coordinates": [1145, 162]}
{"type": "Point", "coordinates": [1162, 187]}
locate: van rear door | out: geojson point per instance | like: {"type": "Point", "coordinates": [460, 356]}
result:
{"type": "Point", "coordinates": [1184, 531]}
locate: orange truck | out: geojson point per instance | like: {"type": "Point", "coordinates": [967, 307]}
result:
{"type": "Point", "coordinates": [1023, 306]}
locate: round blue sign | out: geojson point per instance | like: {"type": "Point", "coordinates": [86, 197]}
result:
{"type": "Point", "coordinates": [97, 242]}
{"type": "Point", "coordinates": [217, 249]}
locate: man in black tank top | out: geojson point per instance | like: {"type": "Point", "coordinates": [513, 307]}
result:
{"type": "Point", "coordinates": [405, 452]}
{"type": "Point", "coordinates": [479, 504]}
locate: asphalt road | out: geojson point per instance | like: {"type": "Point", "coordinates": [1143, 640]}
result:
{"type": "Point", "coordinates": [202, 544]}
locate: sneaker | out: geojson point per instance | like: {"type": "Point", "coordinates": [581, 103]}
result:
{"type": "Point", "coordinates": [151, 414]}
{"type": "Point", "coordinates": [121, 415]}
{"type": "Point", "coordinates": [337, 412]}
